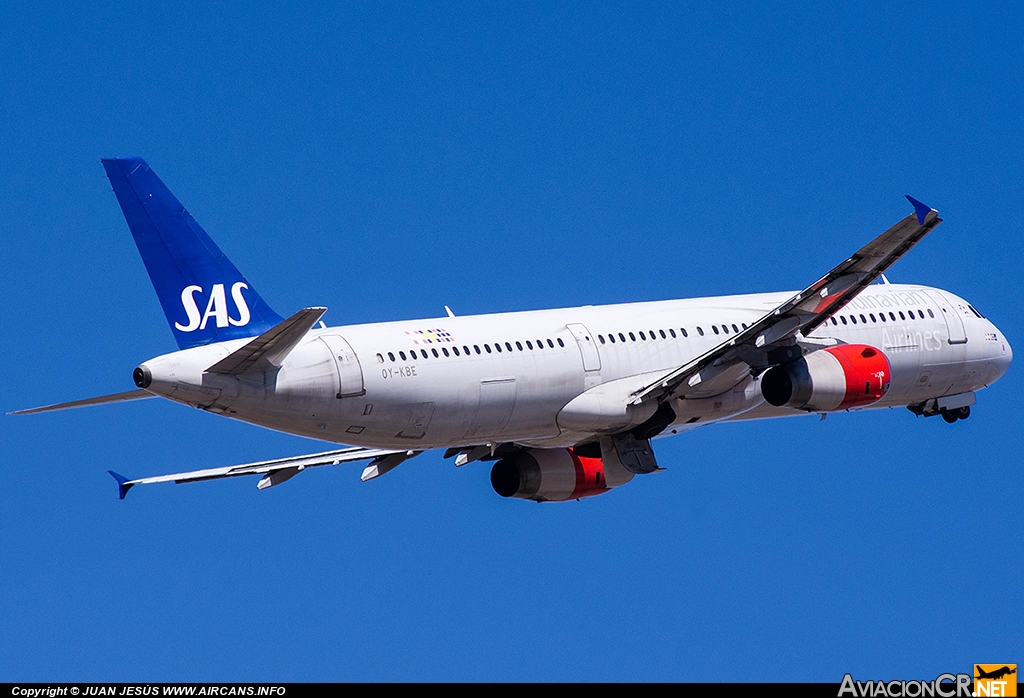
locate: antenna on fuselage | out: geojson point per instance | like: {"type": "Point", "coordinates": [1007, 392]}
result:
{"type": "Point", "coordinates": [449, 311]}
{"type": "Point", "coordinates": [884, 280]}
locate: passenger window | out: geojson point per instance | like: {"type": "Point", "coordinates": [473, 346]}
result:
{"type": "Point", "coordinates": [642, 335]}
{"type": "Point", "coordinates": [853, 319]}
{"type": "Point", "coordinates": [622, 337]}
{"type": "Point", "coordinates": [456, 350]}
{"type": "Point", "coordinates": [444, 350]}
{"type": "Point", "coordinates": [734, 328]}
{"type": "Point", "coordinates": [673, 333]}
{"type": "Point", "coordinates": [402, 355]}
{"type": "Point", "coordinates": [391, 356]}
{"type": "Point", "coordinates": [476, 347]}
{"type": "Point", "coordinates": [519, 346]}
{"type": "Point", "coordinates": [529, 345]}
{"type": "Point", "coordinates": [632, 337]}
{"type": "Point", "coordinates": [508, 346]}
{"type": "Point", "coordinates": [380, 358]}
{"type": "Point", "coordinates": [842, 318]}
{"type": "Point", "coordinates": [662, 333]}
{"type": "Point", "coordinates": [434, 352]}
{"type": "Point", "coordinates": [683, 330]}
{"type": "Point", "coordinates": [487, 348]}
{"type": "Point", "coordinates": [872, 316]}
{"type": "Point", "coordinates": [611, 338]}
{"type": "Point", "coordinates": [560, 342]}
{"type": "Point", "coordinates": [930, 313]}
{"type": "Point", "coordinates": [551, 344]}
{"type": "Point", "coordinates": [424, 354]}
{"type": "Point", "coordinates": [497, 346]}
{"type": "Point", "coordinates": [600, 338]}
{"type": "Point", "coordinates": [902, 316]}
{"type": "Point", "coordinates": [700, 331]}
{"type": "Point", "coordinates": [714, 328]}
{"type": "Point", "coordinates": [892, 317]}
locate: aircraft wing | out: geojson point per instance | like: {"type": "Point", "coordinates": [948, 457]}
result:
{"type": "Point", "coordinates": [770, 339]}
{"type": "Point", "coordinates": [277, 471]}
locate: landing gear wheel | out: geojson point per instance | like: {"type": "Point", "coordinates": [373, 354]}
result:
{"type": "Point", "coordinates": [949, 416]}
{"type": "Point", "coordinates": [962, 412]}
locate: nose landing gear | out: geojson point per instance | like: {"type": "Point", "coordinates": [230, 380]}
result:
{"type": "Point", "coordinates": [951, 407]}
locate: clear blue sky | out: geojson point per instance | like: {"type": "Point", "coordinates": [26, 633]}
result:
{"type": "Point", "coordinates": [387, 159]}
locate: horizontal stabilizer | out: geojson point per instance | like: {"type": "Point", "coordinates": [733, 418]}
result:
{"type": "Point", "coordinates": [102, 400]}
{"type": "Point", "coordinates": [274, 471]}
{"type": "Point", "coordinates": [267, 351]}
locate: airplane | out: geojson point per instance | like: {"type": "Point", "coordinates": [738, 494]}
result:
{"type": "Point", "coordinates": [563, 402]}
{"type": "Point", "coordinates": [995, 674]}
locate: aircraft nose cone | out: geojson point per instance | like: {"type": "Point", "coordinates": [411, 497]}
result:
{"type": "Point", "coordinates": [1003, 354]}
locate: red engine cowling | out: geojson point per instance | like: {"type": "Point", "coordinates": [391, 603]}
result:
{"type": "Point", "coordinates": [554, 475]}
{"type": "Point", "coordinates": [837, 378]}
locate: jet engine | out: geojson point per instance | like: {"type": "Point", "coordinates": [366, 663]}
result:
{"type": "Point", "coordinates": [836, 378]}
{"type": "Point", "coordinates": [555, 475]}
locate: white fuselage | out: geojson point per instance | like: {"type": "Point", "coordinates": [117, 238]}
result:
{"type": "Point", "coordinates": [461, 381]}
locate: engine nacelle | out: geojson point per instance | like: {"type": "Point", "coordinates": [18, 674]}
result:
{"type": "Point", "coordinates": [836, 378]}
{"type": "Point", "coordinates": [555, 475]}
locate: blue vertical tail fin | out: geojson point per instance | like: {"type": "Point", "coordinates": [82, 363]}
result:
{"type": "Point", "coordinates": [205, 298]}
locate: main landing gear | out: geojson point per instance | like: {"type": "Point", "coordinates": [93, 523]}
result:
{"type": "Point", "coordinates": [959, 413]}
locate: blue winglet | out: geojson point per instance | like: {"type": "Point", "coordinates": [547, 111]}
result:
{"type": "Point", "coordinates": [122, 486]}
{"type": "Point", "coordinates": [920, 209]}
